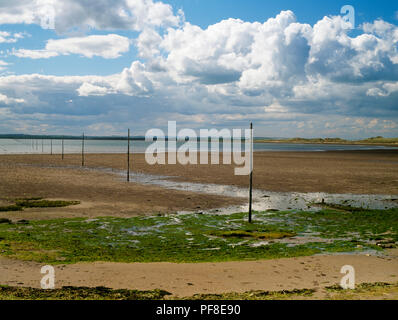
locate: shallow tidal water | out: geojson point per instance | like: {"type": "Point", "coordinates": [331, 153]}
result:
{"type": "Point", "coordinates": [267, 200]}
{"type": "Point", "coordinates": [46, 146]}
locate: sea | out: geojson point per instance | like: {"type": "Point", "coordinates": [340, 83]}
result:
{"type": "Point", "coordinates": [47, 146]}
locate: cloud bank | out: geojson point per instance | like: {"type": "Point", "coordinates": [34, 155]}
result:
{"type": "Point", "coordinates": [291, 78]}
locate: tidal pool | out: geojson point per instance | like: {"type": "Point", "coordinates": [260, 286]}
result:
{"type": "Point", "coordinates": [268, 200]}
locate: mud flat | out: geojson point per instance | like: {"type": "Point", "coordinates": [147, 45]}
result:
{"type": "Point", "coordinates": [283, 181]}
{"type": "Point", "coordinates": [102, 194]}
{"type": "Point", "coordinates": [357, 172]}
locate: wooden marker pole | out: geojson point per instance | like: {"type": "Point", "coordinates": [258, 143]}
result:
{"type": "Point", "coordinates": [83, 150]}
{"type": "Point", "coordinates": [251, 174]}
{"type": "Point", "coordinates": [128, 156]}
{"type": "Point", "coordinates": [62, 148]}
{"type": "Point", "coordinates": [51, 146]}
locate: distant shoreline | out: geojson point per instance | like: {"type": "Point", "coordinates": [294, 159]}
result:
{"type": "Point", "coordinates": [379, 141]}
{"type": "Point", "coordinates": [333, 143]}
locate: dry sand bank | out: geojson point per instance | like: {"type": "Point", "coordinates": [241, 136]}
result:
{"type": "Point", "coordinates": [188, 279]}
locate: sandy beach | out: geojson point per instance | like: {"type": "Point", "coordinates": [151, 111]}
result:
{"type": "Point", "coordinates": [106, 194]}
{"type": "Point", "coordinates": [184, 280]}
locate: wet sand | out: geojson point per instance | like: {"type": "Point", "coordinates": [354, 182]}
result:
{"type": "Point", "coordinates": [105, 194]}
{"type": "Point", "coordinates": [100, 194]}
{"type": "Point", "coordinates": [358, 172]}
{"type": "Point", "coordinates": [184, 280]}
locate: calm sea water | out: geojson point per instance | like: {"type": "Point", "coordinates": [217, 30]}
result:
{"type": "Point", "coordinates": [28, 146]}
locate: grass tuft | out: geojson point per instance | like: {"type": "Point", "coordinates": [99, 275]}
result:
{"type": "Point", "coordinates": [366, 291]}
{"type": "Point", "coordinates": [45, 203]}
{"type": "Point", "coordinates": [9, 208]}
{"type": "Point", "coordinates": [78, 293]}
{"type": "Point", "coordinates": [360, 287]}
{"type": "Point", "coordinates": [257, 295]}
{"type": "Point", "coordinates": [20, 204]}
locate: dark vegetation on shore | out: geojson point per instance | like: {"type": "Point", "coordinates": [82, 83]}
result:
{"type": "Point", "coordinates": [201, 238]}
{"type": "Point", "coordinates": [20, 204]}
{"type": "Point", "coordinates": [78, 293]}
{"type": "Point", "coordinates": [362, 291]}
{"type": "Point", "coordinates": [371, 141]}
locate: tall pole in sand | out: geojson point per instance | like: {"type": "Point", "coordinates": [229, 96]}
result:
{"type": "Point", "coordinates": [51, 146]}
{"type": "Point", "coordinates": [251, 174]}
{"type": "Point", "coordinates": [42, 146]}
{"type": "Point", "coordinates": [83, 151]}
{"type": "Point", "coordinates": [62, 148]}
{"type": "Point", "coordinates": [128, 156]}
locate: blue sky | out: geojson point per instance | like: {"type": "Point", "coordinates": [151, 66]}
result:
{"type": "Point", "coordinates": [199, 12]}
{"type": "Point", "coordinates": [292, 67]}
{"type": "Point", "coordinates": [206, 12]}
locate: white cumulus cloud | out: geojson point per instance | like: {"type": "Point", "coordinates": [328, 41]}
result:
{"type": "Point", "coordinates": [109, 46]}
{"type": "Point", "coordinates": [96, 14]}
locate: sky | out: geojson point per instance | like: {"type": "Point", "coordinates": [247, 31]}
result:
{"type": "Point", "coordinates": [294, 68]}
